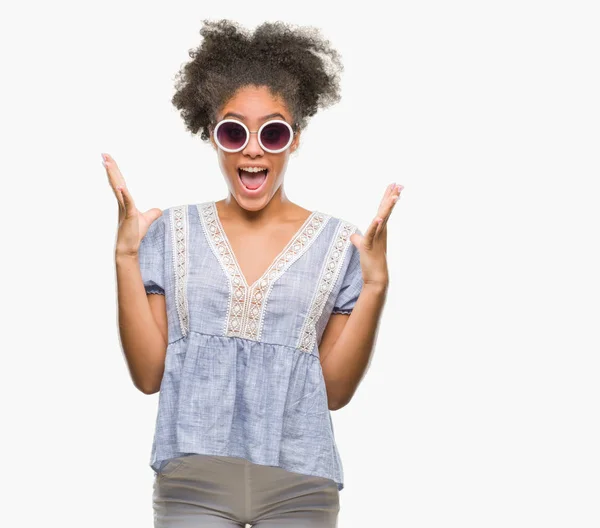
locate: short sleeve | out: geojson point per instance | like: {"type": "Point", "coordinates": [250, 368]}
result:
{"type": "Point", "coordinates": [151, 256]}
{"type": "Point", "coordinates": [352, 282]}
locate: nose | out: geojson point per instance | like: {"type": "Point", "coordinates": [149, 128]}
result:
{"type": "Point", "coordinates": [253, 147]}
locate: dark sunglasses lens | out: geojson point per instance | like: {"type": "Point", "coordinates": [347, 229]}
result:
{"type": "Point", "coordinates": [231, 135]}
{"type": "Point", "coordinates": [275, 136]}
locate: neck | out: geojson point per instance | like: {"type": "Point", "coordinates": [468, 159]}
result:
{"type": "Point", "coordinates": [260, 212]}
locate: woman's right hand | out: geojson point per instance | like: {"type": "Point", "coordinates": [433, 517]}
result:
{"type": "Point", "coordinates": [133, 224]}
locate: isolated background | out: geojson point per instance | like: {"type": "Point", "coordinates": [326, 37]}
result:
{"type": "Point", "coordinates": [481, 405]}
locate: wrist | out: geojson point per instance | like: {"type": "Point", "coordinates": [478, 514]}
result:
{"type": "Point", "coordinates": [126, 256]}
{"type": "Point", "coordinates": [376, 287]}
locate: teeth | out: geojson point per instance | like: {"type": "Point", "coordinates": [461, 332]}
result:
{"type": "Point", "coordinates": [252, 169]}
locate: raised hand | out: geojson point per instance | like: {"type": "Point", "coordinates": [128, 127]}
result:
{"type": "Point", "coordinates": [372, 246]}
{"type": "Point", "coordinates": [133, 224]}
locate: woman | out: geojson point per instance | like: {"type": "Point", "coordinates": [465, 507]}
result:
{"type": "Point", "coordinates": [253, 316]}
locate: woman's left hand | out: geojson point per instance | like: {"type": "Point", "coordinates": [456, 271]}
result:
{"type": "Point", "coordinates": [372, 246]}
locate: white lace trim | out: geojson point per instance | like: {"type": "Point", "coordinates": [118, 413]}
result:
{"type": "Point", "coordinates": [259, 294]}
{"type": "Point", "coordinates": [326, 282]}
{"type": "Point", "coordinates": [237, 287]}
{"type": "Point", "coordinates": [246, 307]}
{"type": "Point", "coordinates": [179, 238]}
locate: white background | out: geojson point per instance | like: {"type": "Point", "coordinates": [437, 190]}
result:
{"type": "Point", "coordinates": [481, 405]}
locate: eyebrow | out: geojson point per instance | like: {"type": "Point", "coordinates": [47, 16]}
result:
{"type": "Point", "coordinates": [239, 116]}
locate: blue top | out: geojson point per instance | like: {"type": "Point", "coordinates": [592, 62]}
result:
{"type": "Point", "coordinates": [242, 372]}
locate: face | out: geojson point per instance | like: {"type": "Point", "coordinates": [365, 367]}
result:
{"type": "Point", "coordinates": [253, 106]}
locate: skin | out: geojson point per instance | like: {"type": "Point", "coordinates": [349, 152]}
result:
{"type": "Point", "coordinates": [266, 221]}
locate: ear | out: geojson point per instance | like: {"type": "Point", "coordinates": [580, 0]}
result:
{"type": "Point", "coordinates": [212, 140]}
{"type": "Point", "coordinates": [295, 142]}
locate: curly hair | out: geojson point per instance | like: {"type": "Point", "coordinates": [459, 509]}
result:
{"type": "Point", "coordinates": [296, 63]}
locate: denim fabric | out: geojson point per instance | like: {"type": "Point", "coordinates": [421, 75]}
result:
{"type": "Point", "coordinates": [242, 373]}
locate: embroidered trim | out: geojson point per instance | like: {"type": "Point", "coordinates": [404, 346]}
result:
{"type": "Point", "coordinates": [246, 306]}
{"type": "Point", "coordinates": [179, 235]}
{"type": "Point", "coordinates": [259, 294]}
{"type": "Point", "coordinates": [326, 282]}
{"type": "Point", "coordinates": [237, 285]}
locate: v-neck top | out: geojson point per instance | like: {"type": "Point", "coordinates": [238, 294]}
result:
{"type": "Point", "coordinates": [231, 255]}
{"type": "Point", "coordinates": [242, 373]}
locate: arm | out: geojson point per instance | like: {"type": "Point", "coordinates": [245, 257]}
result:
{"type": "Point", "coordinates": [348, 340]}
{"type": "Point", "coordinates": [347, 345]}
{"type": "Point", "coordinates": [142, 326]}
{"type": "Point", "coordinates": [142, 313]}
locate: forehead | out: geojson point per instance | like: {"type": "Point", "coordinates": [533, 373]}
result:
{"type": "Point", "coordinates": [255, 103]}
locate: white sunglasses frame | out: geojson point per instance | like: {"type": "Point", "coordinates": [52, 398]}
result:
{"type": "Point", "coordinates": [270, 151]}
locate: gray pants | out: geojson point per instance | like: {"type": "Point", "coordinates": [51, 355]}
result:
{"type": "Point", "coordinates": [208, 491]}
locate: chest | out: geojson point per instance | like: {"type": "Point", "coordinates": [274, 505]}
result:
{"type": "Point", "coordinates": [254, 251]}
{"type": "Point", "coordinates": [230, 284]}
{"type": "Point", "coordinates": [236, 282]}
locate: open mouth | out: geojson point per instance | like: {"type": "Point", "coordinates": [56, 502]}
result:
{"type": "Point", "coordinates": [252, 179]}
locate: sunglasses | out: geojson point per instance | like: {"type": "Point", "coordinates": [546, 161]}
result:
{"type": "Point", "coordinates": [273, 136]}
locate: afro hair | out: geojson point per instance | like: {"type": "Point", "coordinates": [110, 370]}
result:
{"type": "Point", "coordinates": [295, 63]}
